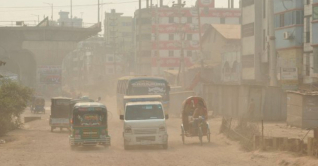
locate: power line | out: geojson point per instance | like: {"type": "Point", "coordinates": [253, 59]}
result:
{"type": "Point", "coordinates": [33, 7]}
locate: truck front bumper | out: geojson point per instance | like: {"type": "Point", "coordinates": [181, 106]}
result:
{"type": "Point", "coordinates": [145, 139]}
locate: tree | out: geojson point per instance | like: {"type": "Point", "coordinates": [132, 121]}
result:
{"type": "Point", "coordinates": [13, 101]}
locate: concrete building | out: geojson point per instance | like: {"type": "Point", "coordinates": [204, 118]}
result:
{"type": "Point", "coordinates": [163, 31]}
{"type": "Point", "coordinates": [310, 40]}
{"type": "Point", "coordinates": [289, 28]}
{"type": "Point", "coordinates": [315, 34]}
{"type": "Point", "coordinates": [118, 31]}
{"type": "Point", "coordinates": [221, 44]}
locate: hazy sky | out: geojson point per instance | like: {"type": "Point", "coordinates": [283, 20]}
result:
{"type": "Point", "coordinates": [27, 10]}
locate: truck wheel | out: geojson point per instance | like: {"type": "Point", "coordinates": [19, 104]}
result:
{"type": "Point", "coordinates": [165, 146]}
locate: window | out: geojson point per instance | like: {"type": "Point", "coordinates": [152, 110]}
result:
{"type": "Point", "coordinates": [307, 64]}
{"type": "Point", "coordinates": [189, 53]}
{"type": "Point", "coordinates": [171, 19]}
{"type": "Point", "coordinates": [315, 13]}
{"type": "Point", "coordinates": [189, 36]}
{"type": "Point", "coordinates": [289, 18]}
{"type": "Point", "coordinates": [307, 29]}
{"type": "Point", "coordinates": [189, 20]}
{"type": "Point", "coordinates": [264, 39]}
{"type": "Point", "coordinates": [171, 36]}
{"type": "Point", "coordinates": [171, 53]}
{"type": "Point", "coordinates": [222, 21]}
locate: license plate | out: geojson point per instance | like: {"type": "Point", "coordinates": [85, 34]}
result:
{"type": "Point", "coordinates": [145, 142]}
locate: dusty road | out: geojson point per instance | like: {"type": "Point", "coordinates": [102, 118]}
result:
{"type": "Point", "coordinates": [35, 145]}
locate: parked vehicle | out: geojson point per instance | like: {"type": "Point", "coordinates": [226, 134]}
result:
{"type": "Point", "coordinates": [60, 113]}
{"type": "Point", "coordinates": [38, 105]}
{"type": "Point", "coordinates": [144, 124]}
{"type": "Point", "coordinates": [194, 127]}
{"type": "Point", "coordinates": [89, 125]}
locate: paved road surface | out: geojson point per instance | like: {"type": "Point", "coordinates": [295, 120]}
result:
{"type": "Point", "coordinates": [35, 145]}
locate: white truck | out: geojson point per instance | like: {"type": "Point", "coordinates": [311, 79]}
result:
{"type": "Point", "coordinates": [145, 124]}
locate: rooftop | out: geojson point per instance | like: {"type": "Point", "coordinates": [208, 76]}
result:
{"type": "Point", "coordinates": [228, 31]}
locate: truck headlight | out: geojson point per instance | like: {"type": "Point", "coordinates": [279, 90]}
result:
{"type": "Point", "coordinates": [128, 129]}
{"type": "Point", "coordinates": [162, 129]}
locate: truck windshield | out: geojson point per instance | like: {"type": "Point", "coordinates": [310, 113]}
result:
{"type": "Point", "coordinates": [144, 112]}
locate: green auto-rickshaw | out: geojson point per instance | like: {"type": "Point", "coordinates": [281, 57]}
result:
{"type": "Point", "coordinates": [89, 125]}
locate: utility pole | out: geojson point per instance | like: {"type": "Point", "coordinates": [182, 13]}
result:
{"type": "Point", "coordinates": [98, 11]}
{"type": "Point", "coordinates": [51, 4]}
{"type": "Point", "coordinates": [182, 35]}
{"type": "Point", "coordinates": [272, 46]}
{"type": "Point", "coordinates": [71, 11]}
{"type": "Point", "coordinates": [200, 42]}
{"type": "Point", "coordinates": [156, 41]}
{"type": "Point", "coordinates": [139, 65]}
{"type": "Point", "coordinates": [113, 34]}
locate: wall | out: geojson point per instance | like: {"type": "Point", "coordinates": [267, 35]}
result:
{"type": "Point", "coordinates": [233, 101]}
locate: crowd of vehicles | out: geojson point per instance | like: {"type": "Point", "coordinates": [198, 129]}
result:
{"type": "Point", "coordinates": [142, 105]}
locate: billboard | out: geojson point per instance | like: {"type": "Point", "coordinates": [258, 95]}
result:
{"type": "Point", "coordinates": [50, 74]}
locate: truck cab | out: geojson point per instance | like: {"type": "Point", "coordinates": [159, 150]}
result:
{"type": "Point", "coordinates": [145, 124]}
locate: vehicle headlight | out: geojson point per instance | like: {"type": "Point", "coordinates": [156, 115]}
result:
{"type": "Point", "coordinates": [162, 129]}
{"type": "Point", "coordinates": [128, 129]}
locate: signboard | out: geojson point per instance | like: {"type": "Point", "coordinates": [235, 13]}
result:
{"type": "Point", "coordinates": [170, 62]}
{"type": "Point", "coordinates": [145, 83]}
{"type": "Point", "coordinates": [289, 73]}
{"type": "Point", "coordinates": [206, 3]}
{"type": "Point", "coordinates": [50, 74]}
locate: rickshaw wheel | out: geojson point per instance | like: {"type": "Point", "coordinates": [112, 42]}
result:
{"type": "Point", "coordinates": [182, 134]}
{"type": "Point", "coordinates": [208, 134]}
{"type": "Point", "coordinates": [200, 135]}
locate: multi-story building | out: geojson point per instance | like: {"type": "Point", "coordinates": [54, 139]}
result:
{"type": "Point", "coordinates": [315, 34]}
{"type": "Point", "coordinates": [164, 34]}
{"type": "Point", "coordinates": [254, 33]}
{"type": "Point", "coordinates": [289, 28]}
{"type": "Point", "coordinates": [310, 40]}
{"type": "Point", "coordinates": [118, 34]}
